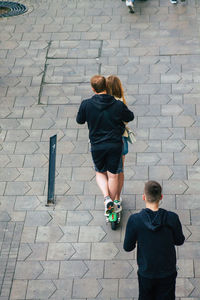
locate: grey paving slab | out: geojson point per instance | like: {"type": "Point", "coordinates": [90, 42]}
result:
{"type": "Point", "coordinates": [58, 217]}
{"type": "Point", "coordinates": [128, 288]}
{"type": "Point", "coordinates": [19, 289]}
{"type": "Point", "coordinates": [190, 250]}
{"type": "Point", "coordinates": [160, 172]}
{"type": "Point", "coordinates": [86, 203]}
{"type": "Point", "coordinates": [78, 218]}
{"type": "Point", "coordinates": [194, 233]}
{"type": "Point", "coordinates": [133, 187]}
{"type": "Point", "coordinates": [28, 234]}
{"type": "Point", "coordinates": [15, 161]}
{"type": "Point", "coordinates": [88, 287]}
{"type": "Point", "coordinates": [95, 269]}
{"type": "Point", "coordinates": [32, 251]}
{"type": "Point", "coordinates": [39, 218]}
{"type": "Point", "coordinates": [192, 187]}
{"type": "Point", "coordinates": [194, 217]}
{"type": "Point", "coordinates": [174, 187]}
{"type": "Point", "coordinates": [67, 202]}
{"type": "Point", "coordinates": [70, 234]}
{"type": "Point", "coordinates": [81, 251]}
{"type": "Point", "coordinates": [40, 289]}
{"type": "Point", "coordinates": [184, 216]}
{"type": "Point", "coordinates": [17, 188]}
{"type": "Point", "coordinates": [25, 174]}
{"type": "Point", "coordinates": [60, 251]}
{"type": "Point", "coordinates": [185, 158]}
{"type": "Point", "coordinates": [117, 269]}
{"type": "Point", "coordinates": [27, 270]}
{"type": "Point", "coordinates": [63, 289]}
{"type": "Point", "coordinates": [91, 234]}
{"type": "Point", "coordinates": [26, 202]}
{"type": "Point", "coordinates": [84, 173]}
{"type": "Point", "coordinates": [8, 174]}
{"type": "Point", "coordinates": [49, 234]}
{"type": "Point", "coordinates": [109, 288]}
{"type": "Point", "coordinates": [72, 269]}
{"type": "Point", "coordinates": [104, 251]}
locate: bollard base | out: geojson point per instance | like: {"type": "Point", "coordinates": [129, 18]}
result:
{"type": "Point", "coordinates": [50, 203]}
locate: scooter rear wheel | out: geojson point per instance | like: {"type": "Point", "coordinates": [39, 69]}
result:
{"type": "Point", "coordinates": [113, 225]}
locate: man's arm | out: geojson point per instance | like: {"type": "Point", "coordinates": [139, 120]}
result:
{"type": "Point", "coordinates": [130, 235]}
{"type": "Point", "coordinates": [178, 232]}
{"type": "Point", "coordinates": [81, 116]}
{"type": "Point", "coordinates": [127, 115]}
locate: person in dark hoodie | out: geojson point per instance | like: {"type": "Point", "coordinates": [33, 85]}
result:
{"type": "Point", "coordinates": [156, 232]}
{"type": "Point", "coordinates": [105, 117]}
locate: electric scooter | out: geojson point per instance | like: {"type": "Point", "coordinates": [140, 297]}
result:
{"type": "Point", "coordinates": [114, 215]}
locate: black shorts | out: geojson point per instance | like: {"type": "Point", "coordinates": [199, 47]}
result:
{"type": "Point", "coordinates": [107, 157]}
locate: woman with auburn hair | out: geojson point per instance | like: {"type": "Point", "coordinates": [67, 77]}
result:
{"type": "Point", "coordinates": [114, 88]}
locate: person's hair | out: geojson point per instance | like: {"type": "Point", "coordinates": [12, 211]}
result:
{"type": "Point", "coordinates": [98, 83]}
{"type": "Point", "coordinates": [114, 87]}
{"type": "Point", "coordinates": [153, 191]}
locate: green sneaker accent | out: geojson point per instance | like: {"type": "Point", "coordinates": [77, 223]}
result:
{"type": "Point", "coordinates": [116, 201]}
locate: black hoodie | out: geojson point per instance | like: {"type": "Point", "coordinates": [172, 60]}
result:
{"type": "Point", "coordinates": [156, 234]}
{"type": "Point", "coordinates": [105, 117]}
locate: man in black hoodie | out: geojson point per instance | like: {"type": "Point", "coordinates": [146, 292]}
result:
{"type": "Point", "coordinates": [156, 232]}
{"type": "Point", "coordinates": [105, 117]}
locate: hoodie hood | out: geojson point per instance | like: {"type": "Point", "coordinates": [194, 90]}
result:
{"type": "Point", "coordinates": [102, 101]}
{"type": "Point", "coordinates": [154, 220]}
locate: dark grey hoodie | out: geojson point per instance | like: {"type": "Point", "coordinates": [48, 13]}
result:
{"type": "Point", "coordinates": [156, 234]}
{"type": "Point", "coordinates": [105, 117]}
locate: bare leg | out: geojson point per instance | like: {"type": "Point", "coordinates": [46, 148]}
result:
{"type": "Point", "coordinates": [120, 181]}
{"type": "Point", "coordinates": [112, 184]}
{"type": "Point", "coordinates": [102, 182]}
{"type": "Point", "coordinates": [120, 185]}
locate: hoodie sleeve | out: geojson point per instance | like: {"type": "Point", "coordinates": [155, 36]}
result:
{"type": "Point", "coordinates": [178, 232]}
{"type": "Point", "coordinates": [127, 115]}
{"type": "Point", "coordinates": [130, 235]}
{"type": "Point", "coordinates": [81, 115]}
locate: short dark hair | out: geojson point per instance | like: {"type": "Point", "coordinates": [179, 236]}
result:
{"type": "Point", "coordinates": [153, 191]}
{"type": "Point", "coordinates": [98, 83]}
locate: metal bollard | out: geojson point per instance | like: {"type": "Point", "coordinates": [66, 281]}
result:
{"type": "Point", "coordinates": [52, 170]}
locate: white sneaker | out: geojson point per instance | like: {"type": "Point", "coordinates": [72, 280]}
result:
{"type": "Point", "coordinates": [117, 206]}
{"type": "Point", "coordinates": [129, 3]}
{"type": "Point", "coordinates": [109, 205]}
{"type": "Point", "coordinates": [174, 1]}
{"type": "Point", "coordinates": [116, 201]}
{"type": "Point", "coordinates": [130, 6]}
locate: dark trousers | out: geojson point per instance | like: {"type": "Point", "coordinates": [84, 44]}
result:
{"type": "Point", "coordinates": [158, 288]}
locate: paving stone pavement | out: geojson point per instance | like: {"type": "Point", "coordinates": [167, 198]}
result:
{"type": "Point", "coordinates": [47, 57]}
